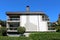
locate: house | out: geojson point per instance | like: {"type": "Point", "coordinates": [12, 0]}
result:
{"type": "Point", "coordinates": [32, 21]}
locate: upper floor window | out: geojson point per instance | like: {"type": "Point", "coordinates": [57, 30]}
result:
{"type": "Point", "coordinates": [45, 18]}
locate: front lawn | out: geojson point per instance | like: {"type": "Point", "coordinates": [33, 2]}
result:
{"type": "Point", "coordinates": [35, 36]}
{"type": "Point", "coordinates": [13, 38]}
{"type": "Point", "coordinates": [45, 36]}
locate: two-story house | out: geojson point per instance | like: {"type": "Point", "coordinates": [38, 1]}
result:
{"type": "Point", "coordinates": [32, 21]}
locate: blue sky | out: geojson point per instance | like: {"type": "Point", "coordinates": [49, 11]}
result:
{"type": "Point", "coordinates": [50, 7]}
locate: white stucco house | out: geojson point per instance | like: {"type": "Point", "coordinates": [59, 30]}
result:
{"type": "Point", "coordinates": [32, 21]}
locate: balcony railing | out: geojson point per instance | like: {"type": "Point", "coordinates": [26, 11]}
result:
{"type": "Point", "coordinates": [51, 28]}
{"type": "Point", "coordinates": [12, 19]}
{"type": "Point", "coordinates": [12, 28]}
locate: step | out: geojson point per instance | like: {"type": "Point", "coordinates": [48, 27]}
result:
{"type": "Point", "coordinates": [13, 35]}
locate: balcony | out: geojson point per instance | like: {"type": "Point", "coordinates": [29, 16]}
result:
{"type": "Point", "coordinates": [13, 20]}
{"type": "Point", "coordinates": [12, 29]}
{"type": "Point", "coordinates": [51, 28]}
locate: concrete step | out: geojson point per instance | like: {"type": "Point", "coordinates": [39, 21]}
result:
{"type": "Point", "coordinates": [13, 35]}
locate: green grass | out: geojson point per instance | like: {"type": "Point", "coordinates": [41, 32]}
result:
{"type": "Point", "coordinates": [35, 36]}
{"type": "Point", "coordinates": [13, 38]}
{"type": "Point", "coordinates": [45, 36]}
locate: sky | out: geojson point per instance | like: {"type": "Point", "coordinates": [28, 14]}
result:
{"type": "Point", "coordinates": [49, 7]}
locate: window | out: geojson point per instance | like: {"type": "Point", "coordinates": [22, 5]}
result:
{"type": "Point", "coordinates": [50, 27]}
{"type": "Point", "coordinates": [45, 18]}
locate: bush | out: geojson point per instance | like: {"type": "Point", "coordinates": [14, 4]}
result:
{"type": "Point", "coordinates": [21, 30]}
{"type": "Point", "coordinates": [58, 29]}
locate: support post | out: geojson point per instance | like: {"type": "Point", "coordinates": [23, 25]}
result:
{"type": "Point", "coordinates": [7, 25]}
{"type": "Point", "coordinates": [19, 22]}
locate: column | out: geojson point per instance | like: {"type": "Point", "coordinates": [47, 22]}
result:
{"type": "Point", "coordinates": [7, 25]}
{"type": "Point", "coordinates": [19, 23]}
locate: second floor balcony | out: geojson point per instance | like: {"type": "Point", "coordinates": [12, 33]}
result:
{"type": "Point", "coordinates": [14, 19]}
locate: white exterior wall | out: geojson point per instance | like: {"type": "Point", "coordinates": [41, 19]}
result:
{"type": "Point", "coordinates": [43, 26]}
{"type": "Point", "coordinates": [33, 23]}
{"type": "Point", "coordinates": [22, 20]}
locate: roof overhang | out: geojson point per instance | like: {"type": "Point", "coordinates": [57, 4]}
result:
{"type": "Point", "coordinates": [25, 13]}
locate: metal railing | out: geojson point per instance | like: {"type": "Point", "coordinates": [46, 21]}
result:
{"type": "Point", "coordinates": [14, 19]}
{"type": "Point", "coordinates": [12, 28]}
{"type": "Point", "coordinates": [51, 28]}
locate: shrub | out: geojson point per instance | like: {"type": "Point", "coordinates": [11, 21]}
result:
{"type": "Point", "coordinates": [58, 29]}
{"type": "Point", "coordinates": [21, 30]}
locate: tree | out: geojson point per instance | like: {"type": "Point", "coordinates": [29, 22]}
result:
{"type": "Point", "coordinates": [58, 24]}
{"type": "Point", "coordinates": [3, 28]}
{"type": "Point", "coordinates": [3, 23]}
{"type": "Point", "coordinates": [3, 31]}
{"type": "Point", "coordinates": [21, 30]}
{"type": "Point", "coordinates": [58, 21]}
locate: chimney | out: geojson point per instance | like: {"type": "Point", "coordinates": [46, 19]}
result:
{"type": "Point", "coordinates": [27, 8]}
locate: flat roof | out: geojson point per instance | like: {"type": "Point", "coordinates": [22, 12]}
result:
{"type": "Point", "coordinates": [25, 13]}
